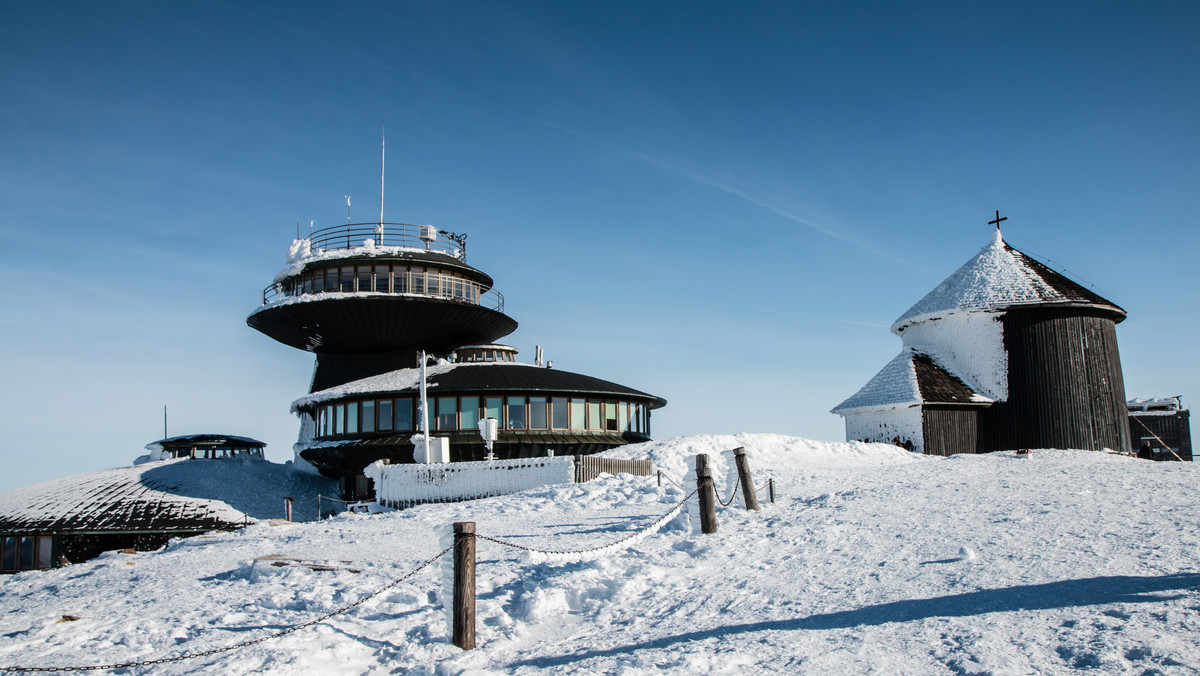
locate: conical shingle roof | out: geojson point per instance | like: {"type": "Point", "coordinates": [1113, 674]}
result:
{"type": "Point", "coordinates": [1000, 277]}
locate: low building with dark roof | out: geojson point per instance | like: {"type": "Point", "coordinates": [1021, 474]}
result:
{"type": "Point", "coordinates": [144, 506]}
{"type": "Point", "coordinates": [1004, 354]}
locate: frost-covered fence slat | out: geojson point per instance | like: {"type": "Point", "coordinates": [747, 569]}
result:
{"type": "Point", "coordinates": [406, 485]}
{"type": "Point", "coordinates": [591, 466]}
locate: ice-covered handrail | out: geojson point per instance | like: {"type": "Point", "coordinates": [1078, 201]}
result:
{"type": "Point", "coordinates": [404, 235]}
{"type": "Point", "coordinates": [579, 555]}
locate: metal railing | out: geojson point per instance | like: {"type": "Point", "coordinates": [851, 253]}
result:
{"type": "Point", "coordinates": [407, 235]}
{"type": "Point", "coordinates": [424, 284]}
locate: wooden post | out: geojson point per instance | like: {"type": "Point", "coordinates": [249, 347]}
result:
{"type": "Point", "coordinates": [771, 489]}
{"type": "Point", "coordinates": [464, 584]}
{"type": "Point", "coordinates": [660, 477]}
{"type": "Point", "coordinates": [578, 468]}
{"type": "Point", "coordinates": [707, 495]}
{"type": "Point", "coordinates": [743, 468]}
{"type": "Point", "coordinates": [287, 503]}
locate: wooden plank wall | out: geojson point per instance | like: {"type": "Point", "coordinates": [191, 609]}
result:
{"type": "Point", "coordinates": [1066, 389]}
{"type": "Point", "coordinates": [949, 430]}
{"type": "Point", "coordinates": [588, 467]}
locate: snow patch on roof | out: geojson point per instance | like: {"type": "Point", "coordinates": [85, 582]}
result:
{"type": "Point", "coordinates": [394, 381]}
{"type": "Point", "coordinates": [996, 278]}
{"type": "Point", "coordinates": [162, 495]}
{"type": "Point", "coordinates": [301, 254]}
{"type": "Point", "coordinates": [895, 385]}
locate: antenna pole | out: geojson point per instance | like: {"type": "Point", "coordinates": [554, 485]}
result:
{"type": "Point", "coordinates": [382, 157]}
{"type": "Point", "coordinates": [164, 421]}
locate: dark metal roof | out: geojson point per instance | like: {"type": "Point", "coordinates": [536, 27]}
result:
{"type": "Point", "coordinates": [939, 387]}
{"type": "Point", "coordinates": [1069, 290]}
{"type": "Point", "coordinates": [209, 439]}
{"type": "Point", "coordinates": [501, 377]}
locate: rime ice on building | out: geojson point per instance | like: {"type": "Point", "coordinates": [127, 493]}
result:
{"type": "Point", "coordinates": [367, 299]}
{"type": "Point", "coordinates": [1005, 353]}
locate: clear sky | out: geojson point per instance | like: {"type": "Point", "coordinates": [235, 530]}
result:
{"type": "Point", "coordinates": [725, 204]}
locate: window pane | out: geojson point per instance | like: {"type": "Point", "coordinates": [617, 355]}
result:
{"type": "Point", "coordinates": [469, 415]}
{"type": "Point", "coordinates": [339, 419]}
{"type": "Point", "coordinates": [610, 416]}
{"type": "Point", "coordinates": [364, 278]}
{"type": "Point", "coordinates": [400, 279]}
{"type": "Point", "coordinates": [447, 418]}
{"type": "Point", "coordinates": [558, 408]}
{"type": "Point", "coordinates": [385, 415]}
{"type": "Point", "coordinates": [368, 416]}
{"type": "Point", "coordinates": [347, 279]}
{"type": "Point", "coordinates": [416, 281]}
{"type": "Point", "coordinates": [491, 409]}
{"type": "Point", "coordinates": [45, 544]}
{"type": "Point", "coordinates": [623, 417]}
{"type": "Point", "coordinates": [26, 553]}
{"type": "Point", "coordinates": [537, 413]}
{"type": "Point", "coordinates": [331, 279]}
{"type": "Point", "coordinates": [431, 283]}
{"type": "Point", "coordinates": [404, 415]}
{"type": "Point", "coordinates": [10, 555]}
{"type": "Point", "coordinates": [381, 278]}
{"type": "Point", "coordinates": [352, 418]}
{"type": "Point", "coordinates": [594, 415]}
{"type": "Point", "coordinates": [578, 414]}
{"type": "Point", "coordinates": [516, 413]}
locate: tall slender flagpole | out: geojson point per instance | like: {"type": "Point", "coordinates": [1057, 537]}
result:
{"type": "Point", "coordinates": [382, 157]}
{"type": "Point", "coordinates": [424, 406]}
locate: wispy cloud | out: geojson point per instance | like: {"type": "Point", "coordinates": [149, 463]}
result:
{"type": "Point", "coordinates": [694, 174]}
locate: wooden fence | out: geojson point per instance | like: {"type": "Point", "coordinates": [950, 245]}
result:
{"type": "Point", "coordinates": [588, 467]}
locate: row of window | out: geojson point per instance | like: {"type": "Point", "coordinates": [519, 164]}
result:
{"type": "Point", "coordinates": [464, 412]}
{"type": "Point", "coordinates": [383, 278]}
{"type": "Point", "coordinates": [28, 552]}
{"type": "Point", "coordinates": [210, 452]}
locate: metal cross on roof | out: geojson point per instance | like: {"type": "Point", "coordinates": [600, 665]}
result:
{"type": "Point", "coordinates": [998, 219]}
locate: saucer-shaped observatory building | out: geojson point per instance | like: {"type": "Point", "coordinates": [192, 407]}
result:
{"type": "Point", "coordinates": [367, 299]}
{"type": "Point", "coordinates": [1004, 354]}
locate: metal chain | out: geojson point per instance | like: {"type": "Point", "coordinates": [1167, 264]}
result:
{"type": "Point", "coordinates": [670, 513]}
{"type": "Point", "coordinates": [732, 495]}
{"type": "Point", "coordinates": [243, 644]}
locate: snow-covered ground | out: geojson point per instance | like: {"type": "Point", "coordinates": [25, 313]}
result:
{"type": "Point", "coordinates": [872, 560]}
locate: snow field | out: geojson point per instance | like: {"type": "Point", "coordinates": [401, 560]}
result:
{"type": "Point", "coordinates": [872, 560]}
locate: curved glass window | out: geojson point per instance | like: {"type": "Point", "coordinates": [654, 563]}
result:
{"type": "Point", "coordinates": [461, 413]}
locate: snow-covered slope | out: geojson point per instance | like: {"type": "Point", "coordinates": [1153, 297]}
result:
{"type": "Point", "coordinates": [872, 560]}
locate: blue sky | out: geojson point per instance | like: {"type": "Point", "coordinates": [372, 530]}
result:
{"type": "Point", "coordinates": [724, 204]}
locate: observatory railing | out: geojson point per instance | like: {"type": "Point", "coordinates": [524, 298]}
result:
{"type": "Point", "coordinates": [407, 235]}
{"type": "Point", "coordinates": [425, 284]}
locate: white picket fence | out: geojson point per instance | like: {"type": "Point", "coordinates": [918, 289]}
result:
{"type": "Point", "coordinates": [405, 485]}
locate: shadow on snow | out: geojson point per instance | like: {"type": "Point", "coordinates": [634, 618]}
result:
{"type": "Point", "coordinates": [1064, 594]}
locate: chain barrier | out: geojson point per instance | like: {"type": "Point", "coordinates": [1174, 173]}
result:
{"type": "Point", "coordinates": [243, 644]}
{"type": "Point", "coordinates": [566, 552]}
{"type": "Point", "coordinates": [732, 495]}
{"type": "Point", "coordinates": [672, 480]}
